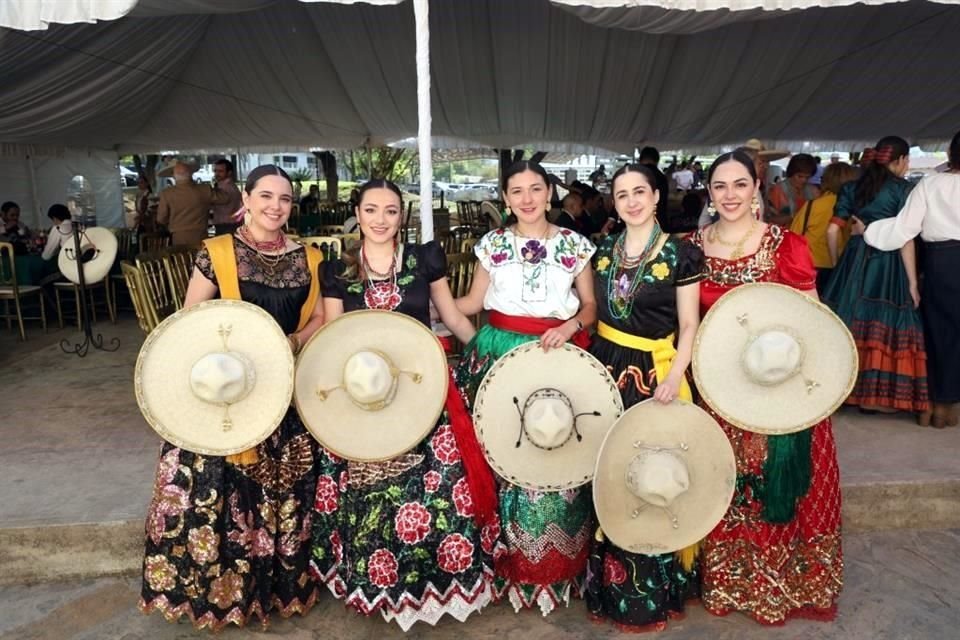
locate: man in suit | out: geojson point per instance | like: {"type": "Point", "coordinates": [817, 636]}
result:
{"type": "Point", "coordinates": [185, 207]}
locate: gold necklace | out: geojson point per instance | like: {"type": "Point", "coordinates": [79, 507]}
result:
{"type": "Point", "coordinates": [713, 235]}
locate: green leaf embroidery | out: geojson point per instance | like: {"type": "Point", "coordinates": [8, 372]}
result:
{"type": "Point", "coordinates": [622, 605]}
{"type": "Point", "coordinates": [362, 566]}
{"type": "Point", "coordinates": [405, 280]}
{"type": "Point", "coordinates": [353, 519]}
{"type": "Point", "coordinates": [441, 523]}
{"type": "Point", "coordinates": [440, 504]}
{"type": "Point", "coordinates": [411, 261]}
{"type": "Point", "coordinates": [356, 287]}
{"type": "Point", "coordinates": [412, 577]}
{"type": "Point", "coordinates": [319, 553]}
{"type": "Point", "coordinates": [421, 554]}
{"type": "Point", "coordinates": [394, 491]}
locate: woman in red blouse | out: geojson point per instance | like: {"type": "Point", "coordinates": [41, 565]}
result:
{"type": "Point", "coordinates": [776, 554]}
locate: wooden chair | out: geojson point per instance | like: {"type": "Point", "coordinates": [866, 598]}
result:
{"type": "Point", "coordinates": [467, 245]}
{"type": "Point", "coordinates": [138, 294]}
{"type": "Point", "coordinates": [152, 242]}
{"type": "Point", "coordinates": [178, 264]}
{"type": "Point", "coordinates": [343, 211]}
{"type": "Point", "coordinates": [10, 290]}
{"type": "Point", "coordinates": [460, 270]}
{"type": "Point", "coordinates": [331, 247]}
{"type": "Point", "coordinates": [159, 298]}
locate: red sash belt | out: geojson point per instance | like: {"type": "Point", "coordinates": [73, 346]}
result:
{"type": "Point", "coordinates": [534, 326]}
{"type": "Point", "coordinates": [483, 488]}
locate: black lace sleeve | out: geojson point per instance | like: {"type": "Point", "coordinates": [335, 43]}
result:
{"type": "Point", "coordinates": [690, 264]}
{"type": "Point", "coordinates": [333, 286]}
{"type": "Point", "coordinates": [205, 265]}
{"type": "Point", "coordinates": [433, 261]}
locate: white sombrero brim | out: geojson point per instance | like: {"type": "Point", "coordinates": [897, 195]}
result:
{"type": "Point", "coordinates": [348, 430]}
{"type": "Point", "coordinates": [830, 359]}
{"type": "Point", "coordinates": [710, 462]}
{"type": "Point", "coordinates": [162, 377]}
{"type": "Point", "coordinates": [518, 374]}
{"type": "Point", "coordinates": [96, 269]}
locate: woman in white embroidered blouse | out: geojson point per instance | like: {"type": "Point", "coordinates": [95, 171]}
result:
{"type": "Point", "coordinates": [535, 280]}
{"type": "Point", "coordinates": [932, 211]}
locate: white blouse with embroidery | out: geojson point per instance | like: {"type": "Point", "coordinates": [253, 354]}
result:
{"type": "Point", "coordinates": [533, 277]}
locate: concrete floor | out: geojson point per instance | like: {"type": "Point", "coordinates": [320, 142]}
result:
{"type": "Point", "coordinates": [899, 586]}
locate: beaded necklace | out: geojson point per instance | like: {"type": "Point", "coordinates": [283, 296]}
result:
{"type": "Point", "coordinates": [622, 288]}
{"type": "Point", "coordinates": [269, 261]}
{"type": "Point", "coordinates": [381, 294]}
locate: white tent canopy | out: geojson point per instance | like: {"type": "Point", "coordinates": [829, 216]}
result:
{"type": "Point", "coordinates": [269, 74]}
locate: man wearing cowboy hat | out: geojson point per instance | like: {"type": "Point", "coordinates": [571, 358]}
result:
{"type": "Point", "coordinates": [185, 207]}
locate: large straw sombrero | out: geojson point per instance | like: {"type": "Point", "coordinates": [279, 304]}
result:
{"type": "Point", "coordinates": [167, 170]}
{"type": "Point", "coordinates": [769, 359]}
{"type": "Point", "coordinates": [665, 476]}
{"type": "Point", "coordinates": [541, 416]}
{"type": "Point", "coordinates": [215, 378]}
{"type": "Point", "coordinates": [371, 384]}
{"type": "Point", "coordinates": [98, 250]}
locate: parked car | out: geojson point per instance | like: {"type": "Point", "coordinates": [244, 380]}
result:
{"type": "Point", "coordinates": [128, 177]}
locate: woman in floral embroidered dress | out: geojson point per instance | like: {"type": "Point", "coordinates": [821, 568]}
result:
{"type": "Point", "coordinates": [776, 554]}
{"type": "Point", "coordinates": [648, 291]}
{"type": "Point", "coordinates": [535, 279]}
{"type": "Point", "coordinates": [228, 538]}
{"type": "Point", "coordinates": [402, 537]}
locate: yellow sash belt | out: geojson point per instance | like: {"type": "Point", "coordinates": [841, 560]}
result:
{"type": "Point", "coordinates": [224, 262]}
{"type": "Point", "coordinates": [662, 351]}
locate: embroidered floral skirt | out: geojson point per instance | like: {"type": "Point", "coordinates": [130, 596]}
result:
{"type": "Point", "coordinates": [224, 542]}
{"type": "Point", "coordinates": [541, 553]}
{"type": "Point", "coordinates": [635, 592]}
{"type": "Point", "coordinates": [398, 537]}
{"type": "Point", "coordinates": [774, 572]}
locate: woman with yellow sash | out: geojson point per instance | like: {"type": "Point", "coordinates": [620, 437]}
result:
{"type": "Point", "coordinates": [648, 293]}
{"type": "Point", "coordinates": [228, 538]}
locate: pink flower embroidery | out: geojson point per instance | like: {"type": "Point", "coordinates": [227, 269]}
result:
{"type": "Point", "coordinates": [613, 571]}
{"type": "Point", "coordinates": [382, 568]}
{"type": "Point", "coordinates": [444, 445]}
{"type": "Point", "coordinates": [412, 522]}
{"type": "Point", "coordinates": [326, 499]}
{"type": "Point", "coordinates": [203, 544]}
{"type": "Point", "coordinates": [489, 535]}
{"type": "Point", "coordinates": [462, 498]}
{"type": "Point", "coordinates": [226, 589]}
{"type": "Point", "coordinates": [568, 261]}
{"type": "Point", "coordinates": [455, 553]}
{"type": "Point", "coordinates": [431, 481]}
{"type": "Point", "coordinates": [159, 573]}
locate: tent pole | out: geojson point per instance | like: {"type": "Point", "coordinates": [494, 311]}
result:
{"type": "Point", "coordinates": [32, 172]}
{"type": "Point", "coordinates": [421, 16]}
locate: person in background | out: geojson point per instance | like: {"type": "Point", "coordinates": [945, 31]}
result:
{"type": "Point", "coordinates": [650, 157]}
{"type": "Point", "coordinates": [932, 210]}
{"type": "Point", "coordinates": [60, 233]}
{"type": "Point", "coordinates": [14, 231]}
{"type": "Point", "coordinates": [184, 208]}
{"type": "Point", "coordinates": [813, 221]}
{"type": "Point", "coordinates": [834, 158]}
{"type": "Point", "coordinates": [876, 294]}
{"type": "Point", "coordinates": [225, 214]}
{"type": "Point", "coordinates": [143, 221]}
{"type": "Point", "coordinates": [684, 178]}
{"type": "Point", "coordinates": [571, 215]}
{"type": "Point", "coordinates": [598, 177]}
{"type": "Point", "coordinates": [310, 203]}
{"type": "Point", "coordinates": [297, 190]}
{"type": "Point", "coordinates": [788, 196]}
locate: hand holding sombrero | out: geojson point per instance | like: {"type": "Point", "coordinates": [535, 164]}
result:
{"type": "Point", "coordinates": [370, 385]}
{"type": "Point", "coordinates": [215, 378]}
{"type": "Point", "coordinates": [541, 416]}
{"type": "Point", "coordinates": [769, 359]}
{"type": "Point", "coordinates": [665, 475]}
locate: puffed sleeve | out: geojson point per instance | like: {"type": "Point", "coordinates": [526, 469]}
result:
{"type": "Point", "coordinates": [845, 204]}
{"type": "Point", "coordinates": [795, 262]}
{"type": "Point", "coordinates": [484, 249]}
{"type": "Point", "coordinates": [433, 261]}
{"type": "Point", "coordinates": [205, 265]}
{"type": "Point", "coordinates": [585, 251]}
{"type": "Point", "coordinates": [690, 264]}
{"type": "Point", "coordinates": [333, 285]}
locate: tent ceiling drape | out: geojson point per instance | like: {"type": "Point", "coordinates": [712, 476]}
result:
{"type": "Point", "coordinates": [259, 74]}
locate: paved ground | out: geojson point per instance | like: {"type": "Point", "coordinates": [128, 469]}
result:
{"type": "Point", "coordinates": [899, 586]}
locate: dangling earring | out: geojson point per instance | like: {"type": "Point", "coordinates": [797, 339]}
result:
{"type": "Point", "coordinates": [711, 210]}
{"type": "Point", "coordinates": [755, 207]}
